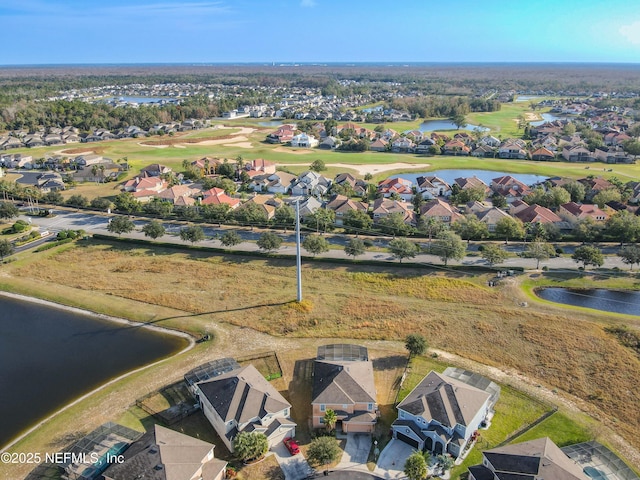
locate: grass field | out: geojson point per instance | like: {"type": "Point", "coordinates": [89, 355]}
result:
{"type": "Point", "coordinates": [567, 351]}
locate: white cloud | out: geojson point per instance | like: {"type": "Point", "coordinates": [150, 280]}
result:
{"type": "Point", "coordinates": [308, 3]}
{"type": "Point", "coordinates": [631, 32]}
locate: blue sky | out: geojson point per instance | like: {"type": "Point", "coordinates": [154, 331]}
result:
{"type": "Point", "coordinates": [195, 31]}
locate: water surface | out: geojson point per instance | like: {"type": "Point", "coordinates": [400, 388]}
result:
{"type": "Point", "coordinates": [617, 301]}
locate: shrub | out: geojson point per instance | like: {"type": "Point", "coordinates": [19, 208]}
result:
{"type": "Point", "coordinates": [368, 243]}
{"type": "Point", "coordinates": [559, 251]}
{"type": "Point", "coordinates": [481, 248]}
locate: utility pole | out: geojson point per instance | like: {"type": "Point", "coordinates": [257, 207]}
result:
{"type": "Point", "coordinates": [298, 257]}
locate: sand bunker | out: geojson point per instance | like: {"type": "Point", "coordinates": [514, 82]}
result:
{"type": "Point", "coordinates": [241, 145]}
{"type": "Point", "coordinates": [234, 141]}
{"type": "Point", "coordinates": [292, 151]}
{"type": "Point", "coordinates": [152, 146]}
{"type": "Point", "coordinates": [373, 169]}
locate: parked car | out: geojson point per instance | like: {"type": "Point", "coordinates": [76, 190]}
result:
{"type": "Point", "coordinates": [291, 445]}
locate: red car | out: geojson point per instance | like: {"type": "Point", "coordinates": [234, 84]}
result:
{"type": "Point", "coordinates": [291, 445]}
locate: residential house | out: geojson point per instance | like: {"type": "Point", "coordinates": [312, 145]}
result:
{"type": "Point", "coordinates": [440, 209]}
{"type": "Point", "coordinates": [329, 143]}
{"type": "Point", "coordinates": [284, 134]}
{"type": "Point", "coordinates": [396, 185]}
{"type": "Point", "coordinates": [574, 212]}
{"type": "Point", "coordinates": [178, 195]}
{"type": "Point", "coordinates": [308, 206]}
{"type": "Point", "coordinates": [441, 414]}
{"type": "Point", "coordinates": [379, 145]}
{"type": "Point", "coordinates": [594, 185]}
{"type": "Point", "coordinates": [483, 151]}
{"type": "Point", "coordinates": [509, 187]}
{"type": "Point", "coordinates": [577, 153]}
{"type": "Point", "coordinates": [17, 160]}
{"type": "Point", "coordinates": [465, 183]}
{"type": "Point", "coordinates": [613, 155]}
{"type": "Point", "coordinates": [512, 148]}
{"type": "Point", "coordinates": [491, 217]}
{"type": "Point", "coordinates": [532, 460]}
{"type": "Point", "coordinates": [145, 188]}
{"type": "Point", "coordinates": [33, 141]}
{"type": "Point", "coordinates": [310, 183]}
{"type": "Point", "coordinates": [304, 140]}
{"type": "Point", "coordinates": [456, 147]}
{"type": "Point", "coordinates": [217, 196]}
{"type": "Point", "coordinates": [431, 187]}
{"type": "Point", "coordinates": [490, 141]}
{"type": "Point", "coordinates": [403, 145]}
{"type": "Point", "coordinates": [50, 182]}
{"type": "Point", "coordinates": [517, 206]}
{"type": "Point", "coordinates": [616, 138]}
{"type": "Point", "coordinates": [155, 170]}
{"type": "Point", "coordinates": [537, 214]}
{"type": "Point", "coordinates": [164, 454]}
{"type": "Point", "coordinates": [7, 143]}
{"type": "Point", "coordinates": [425, 145]}
{"type": "Point", "coordinates": [383, 207]}
{"type": "Point", "coordinates": [342, 205]}
{"type": "Point", "coordinates": [207, 165]}
{"type": "Point", "coordinates": [543, 154]}
{"type": "Point", "coordinates": [243, 401]}
{"type": "Point", "coordinates": [343, 382]}
{"type": "Point", "coordinates": [89, 160]}
{"type": "Point", "coordinates": [261, 165]}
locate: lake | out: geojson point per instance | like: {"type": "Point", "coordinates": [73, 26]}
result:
{"type": "Point", "coordinates": [486, 176]}
{"type": "Point", "coordinates": [49, 357]}
{"type": "Point", "coordinates": [548, 117]}
{"type": "Point", "coordinates": [271, 123]}
{"type": "Point", "coordinates": [618, 301]}
{"type": "Point", "coordinates": [139, 99]}
{"type": "Point", "coordinates": [444, 124]}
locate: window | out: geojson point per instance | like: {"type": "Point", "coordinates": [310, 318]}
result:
{"type": "Point", "coordinates": [323, 407]}
{"type": "Point", "coordinates": [370, 406]}
{"type": "Point", "coordinates": [321, 421]}
{"type": "Point", "coordinates": [401, 413]}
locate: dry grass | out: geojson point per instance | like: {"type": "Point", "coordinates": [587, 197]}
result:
{"type": "Point", "coordinates": [567, 351]}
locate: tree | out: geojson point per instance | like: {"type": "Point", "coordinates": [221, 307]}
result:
{"type": "Point", "coordinates": [415, 344]}
{"type": "Point", "coordinates": [458, 120]}
{"type": "Point", "coordinates": [445, 461]}
{"type": "Point", "coordinates": [623, 226]}
{"type": "Point", "coordinates": [494, 254]}
{"type": "Point", "coordinates": [540, 251]}
{"type": "Point", "coordinates": [8, 210]}
{"type": "Point", "coordinates": [318, 166]}
{"type": "Point", "coordinates": [588, 255]}
{"type": "Point", "coordinates": [250, 445]}
{"type": "Point", "coordinates": [269, 242]}
{"type": "Point", "coordinates": [509, 227]}
{"type": "Point", "coordinates": [53, 197]}
{"type": "Point", "coordinates": [449, 245]}
{"type": "Point", "coordinates": [415, 467]}
{"type": "Point", "coordinates": [630, 255]}
{"type": "Point", "coordinates": [158, 207]}
{"type": "Point", "coordinates": [357, 220]}
{"type": "Point", "coordinates": [330, 419]}
{"type": "Point", "coordinates": [469, 226]}
{"type": "Point", "coordinates": [431, 226]}
{"type": "Point", "coordinates": [285, 215]}
{"type": "Point", "coordinates": [216, 213]}
{"type": "Point", "coordinates": [120, 225]}
{"type": "Point", "coordinates": [587, 230]}
{"type": "Point", "coordinates": [100, 203]}
{"type": "Point", "coordinates": [402, 248]}
{"type": "Point", "coordinates": [154, 229]}
{"type": "Point", "coordinates": [315, 244]}
{"type": "Point", "coordinates": [227, 170]}
{"type": "Point", "coordinates": [126, 202]}
{"type": "Point", "coordinates": [192, 233]}
{"type": "Point", "coordinates": [323, 218]}
{"type": "Point", "coordinates": [251, 213]}
{"type": "Point", "coordinates": [576, 190]}
{"type": "Point", "coordinates": [355, 247]}
{"type": "Point", "coordinates": [498, 200]}
{"type": "Point", "coordinates": [230, 238]}
{"type": "Point", "coordinates": [78, 201]}
{"type": "Point", "coordinates": [6, 249]}
{"type": "Point", "coordinates": [394, 224]}
{"type": "Point", "coordinates": [632, 147]}
{"type": "Point", "coordinates": [323, 451]}
{"type": "Point", "coordinates": [607, 195]}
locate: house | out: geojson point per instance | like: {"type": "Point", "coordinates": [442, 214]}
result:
{"type": "Point", "coordinates": [310, 183]}
{"type": "Point", "coordinates": [379, 145]}
{"type": "Point", "coordinates": [483, 151]}
{"type": "Point", "coordinates": [491, 217]}
{"type": "Point", "coordinates": [431, 187]}
{"type": "Point", "coordinates": [243, 401]}
{"type": "Point", "coordinates": [304, 140]}
{"type": "Point", "coordinates": [509, 187]}
{"type": "Point", "coordinates": [207, 165]}
{"type": "Point", "coordinates": [217, 196]}
{"type": "Point", "coordinates": [456, 147]}
{"type": "Point", "coordinates": [343, 382]}
{"type": "Point", "coordinates": [425, 145]}
{"type": "Point", "coordinates": [138, 184]}
{"type": "Point", "coordinates": [164, 454]}
{"type": "Point", "coordinates": [83, 161]}
{"type": "Point", "coordinates": [329, 143]}
{"type": "Point", "coordinates": [284, 134]}
{"type": "Point", "coordinates": [308, 206]}
{"type": "Point", "coordinates": [383, 207]}
{"type": "Point", "coordinates": [465, 183]}
{"type": "Point", "coordinates": [396, 185]}
{"type": "Point", "coordinates": [17, 160]}
{"type": "Point", "coordinates": [440, 209]}
{"type": "Point", "coordinates": [50, 182]}
{"type": "Point", "coordinates": [612, 155]}
{"type": "Point", "coordinates": [513, 148]}
{"type": "Point", "coordinates": [532, 460]}
{"type": "Point", "coordinates": [577, 153]}
{"type": "Point", "coordinates": [490, 141]}
{"type": "Point", "coordinates": [537, 214]}
{"type": "Point", "coordinates": [593, 185]}
{"type": "Point", "coordinates": [403, 145]}
{"type": "Point", "coordinates": [178, 194]}
{"type": "Point", "coordinates": [441, 414]}
{"type": "Point", "coordinates": [573, 212]}
{"type": "Point", "coordinates": [261, 165]}
{"type": "Point", "coordinates": [543, 154]}
{"type": "Point", "coordinates": [342, 205]}
{"type": "Point", "coordinates": [155, 170]}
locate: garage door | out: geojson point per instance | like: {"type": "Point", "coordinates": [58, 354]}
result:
{"type": "Point", "coordinates": [408, 440]}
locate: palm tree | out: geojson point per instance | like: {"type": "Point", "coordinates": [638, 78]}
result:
{"type": "Point", "coordinates": [330, 420]}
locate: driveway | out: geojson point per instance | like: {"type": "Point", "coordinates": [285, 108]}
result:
{"type": "Point", "coordinates": [294, 467]}
{"type": "Point", "coordinates": [356, 452]}
{"type": "Point", "coordinates": [392, 458]}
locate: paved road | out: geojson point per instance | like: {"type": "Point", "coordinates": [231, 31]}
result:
{"type": "Point", "coordinates": [97, 223]}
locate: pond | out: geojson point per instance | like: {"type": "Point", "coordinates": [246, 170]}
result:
{"type": "Point", "coordinates": [548, 117]}
{"type": "Point", "coordinates": [49, 357]}
{"type": "Point", "coordinates": [617, 301]}
{"type": "Point", "coordinates": [449, 175]}
{"type": "Point", "coordinates": [271, 123]}
{"type": "Point", "coordinates": [445, 124]}
{"type": "Point", "coordinates": [140, 100]}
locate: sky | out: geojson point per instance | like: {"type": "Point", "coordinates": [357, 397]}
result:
{"type": "Point", "coordinates": [290, 31]}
